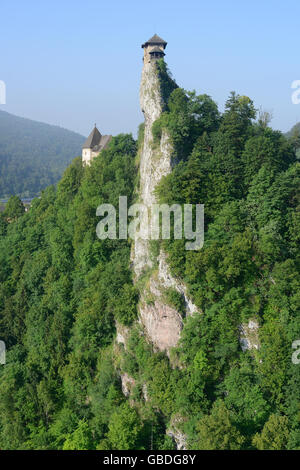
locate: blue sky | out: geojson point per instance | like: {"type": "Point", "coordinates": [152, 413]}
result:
{"type": "Point", "coordinates": [73, 63]}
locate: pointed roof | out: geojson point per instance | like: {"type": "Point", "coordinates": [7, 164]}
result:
{"type": "Point", "coordinates": [155, 41]}
{"type": "Point", "coordinates": [105, 139]}
{"type": "Point", "coordinates": [93, 139]}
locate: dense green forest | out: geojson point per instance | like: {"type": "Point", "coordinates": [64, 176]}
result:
{"type": "Point", "coordinates": [63, 290]}
{"type": "Point", "coordinates": [33, 155]}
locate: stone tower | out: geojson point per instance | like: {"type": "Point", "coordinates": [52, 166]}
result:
{"type": "Point", "coordinates": [154, 48]}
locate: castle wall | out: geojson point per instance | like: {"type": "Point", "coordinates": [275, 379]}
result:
{"type": "Point", "coordinates": [147, 49]}
{"type": "Point", "coordinates": [86, 156]}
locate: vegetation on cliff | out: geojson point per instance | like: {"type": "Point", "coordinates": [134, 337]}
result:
{"type": "Point", "coordinates": [63, 291]}
{"type": "Point", "coordinates": [247, 176]}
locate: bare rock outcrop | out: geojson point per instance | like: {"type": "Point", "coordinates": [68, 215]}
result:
{"type": "Point", "coordinates": [127, 384]}
{"type": "Point", "coordinates": [167, 280]}
{"type": "Point", "coordinates": [176, 433]}
{"type": "Point", "coordinates": [249, 338]}
{"type": "Point", "coordinates": [161, 322]}
{"type": "Point", "coordinates": [123, 333]}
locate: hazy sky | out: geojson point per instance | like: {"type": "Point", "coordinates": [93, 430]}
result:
{"type": "Point", "coordinates": [74, 63]}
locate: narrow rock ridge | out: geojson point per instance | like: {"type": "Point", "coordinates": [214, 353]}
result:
{"type": "Point", "coordinates": [155, 161]}
{"type": "Point", "coordinates": [162, 323]}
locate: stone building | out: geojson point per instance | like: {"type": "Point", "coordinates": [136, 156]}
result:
{"type": "Point", "coordinates": [154, 48]}
{"type": "Point", "coordinates": [93, 145]}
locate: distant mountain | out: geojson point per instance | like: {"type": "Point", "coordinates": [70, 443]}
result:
{"type": "Point", "coordinates": [33, 154]}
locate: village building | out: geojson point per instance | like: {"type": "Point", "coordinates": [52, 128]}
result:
{"type": "Point", "coordinates": [93, 145]}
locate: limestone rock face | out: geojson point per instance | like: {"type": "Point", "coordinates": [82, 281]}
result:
{"type": "Point", "coordinates": [150, 95]}
{"type": "Point", "coordinates": [167, 280]}
{"type": "Point", "coordinates": [122, 334]}
{"type": "Point", "coordinates": [162, 323]}
{"type": "Point", "coordinates": [249, 335]}
{"type": "Point", "coordinates": [155, 162]}
{"type": "Point", "coordinates": [175, 433]}
{"type": "Point", "coordinates": [127, 384]}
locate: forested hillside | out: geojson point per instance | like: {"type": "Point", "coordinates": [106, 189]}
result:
{"type": "Point", "coordinates": [63, 290]}
{"type": "Point", "coordinates": [33, 155]}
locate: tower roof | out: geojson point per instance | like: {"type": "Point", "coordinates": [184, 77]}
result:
{"type": "Point", "coordinates": [155, 41]}
{"type": "Point", "coordinates": [93, 139]}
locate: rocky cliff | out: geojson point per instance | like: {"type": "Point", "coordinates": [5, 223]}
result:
{"type": "Point", "coordinates": [162, 322]}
